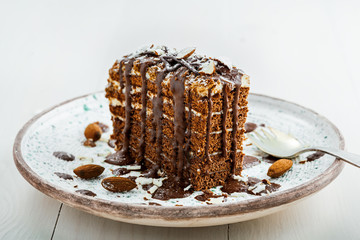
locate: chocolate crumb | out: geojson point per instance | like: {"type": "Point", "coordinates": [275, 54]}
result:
{"type": "Point", "coordinates": [89, 143]}
{"type": "Point", "coordinates": [86, 192]}
{"type": "Point", "coordinates": [64, 156]}
{"type": "Point", "coordinates": [64, 176]}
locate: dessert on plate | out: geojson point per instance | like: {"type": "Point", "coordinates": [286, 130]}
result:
{"type": "Point", "coordinates": [178, 114]}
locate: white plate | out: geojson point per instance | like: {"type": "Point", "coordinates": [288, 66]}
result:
{"type": "Point", "coordinates": [61, 129]}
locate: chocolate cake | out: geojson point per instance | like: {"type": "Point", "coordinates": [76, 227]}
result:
{"type": "Point", "coordinates": [178, 114]}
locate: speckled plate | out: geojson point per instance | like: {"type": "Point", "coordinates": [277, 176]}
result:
{"type": "Point", "coordinates": [61, 129]}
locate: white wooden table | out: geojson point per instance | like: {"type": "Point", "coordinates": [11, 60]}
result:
{"type": "Point", "coordinates": [306, 52]}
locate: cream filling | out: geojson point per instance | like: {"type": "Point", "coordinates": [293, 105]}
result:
{"type": "Point", "coordinates": [115, 103]}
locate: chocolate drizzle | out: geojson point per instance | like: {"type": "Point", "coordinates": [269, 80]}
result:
{"type": "Point", "coordinates": [208, 125]}
{"type": "Point", "coordinates": [188, 131]}
{"type": "Point", "coordinates": [225, 113]}
{"type": "Point", "coordinates": [177, 88]}
{"type": "Point", "coordinates": [235, 109]}
{"type": "Point", "coordinates": [123, 157]}
{"type": "Point", "coordinates": [121, 80]}
{"type": "Point", "coordinates": [143, 69]}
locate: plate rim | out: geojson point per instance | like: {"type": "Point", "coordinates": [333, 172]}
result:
{"type": "Point", "coordinates": [125, 211]}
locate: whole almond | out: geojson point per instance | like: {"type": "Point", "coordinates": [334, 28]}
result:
{"type": "Point", "coordinates": [118, 184]}
{"type": "Point", "coordinates": [279, 167]}
{"type": "Point", "coordinates": [89, 171]}
{"type": "Point", "coordinates": [93, 131]}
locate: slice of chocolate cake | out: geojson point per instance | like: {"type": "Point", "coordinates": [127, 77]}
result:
{"type": "Point", "coordinates": [178, 113]}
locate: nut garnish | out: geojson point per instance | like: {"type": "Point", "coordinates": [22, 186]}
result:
{"type": "Point", "coordinates": [185, 53]}
{"type": "Point", "coordinates": [89, 171]}
{"type": "Point", "coordinates": [279, 167]}
{"type": "Point", "coordinates": [118, 184]}
{"type": "Point", "coordinates": [93, 131]}
{"type": "Point", "coordinates": [208, 67]}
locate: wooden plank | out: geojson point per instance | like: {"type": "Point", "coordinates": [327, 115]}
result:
{"type": "Point", "coordinates": [25, 212]}
{"type": "Point", "coordinates": [75, 224]}
{"type": "Point", "coordinates": [330, 214]}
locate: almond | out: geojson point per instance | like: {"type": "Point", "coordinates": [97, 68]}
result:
{"type": "Point", "coordinates": [185, 53]}
{"type": "Point", "coordinates": [118, 184]}
{"type": "Point", "coordinates": [93, 131]}
{"type": "Point", "coordinates": [208, 67]}
{"type": "Point", "coordinates": [279, 167]}
{"type": "Point", "coordinates": [89, 171]}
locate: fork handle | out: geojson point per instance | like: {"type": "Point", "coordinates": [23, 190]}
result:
{"type": "Point", "coordinates": [351, 158]}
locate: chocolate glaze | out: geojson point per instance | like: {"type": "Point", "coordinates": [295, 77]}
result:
{"type": "Point", "coordinates": [225, 113]}
{"type": "Point", "coordinates": [232, 185]}
{"type": "Point", "coordinates": [207, 194]}
{"type": "Point", "coordinates": [64, 176]}
{"type": "Point", "coordinates": [208, 126]}
{"type": "Point", "coordinates": [155, 204]}
{"type": "Point", "coordinates": [157, 122]}
{"type": "Point", "coordinates": [143, 68]}
{"type": "Point", "coordinates": [188, 132]}
{"type": "Point", "coordinates": [86, 192]}
{"type": "Point", "coordinates": [314, 156]}
{"type": "Point", "coordinates": [250, 161]}
{"type": "Point", "coordinates": [89, 143]}
{"type": "Point", "coordinates": [235, 128]}
{"type": "Point", "coordinates": [123, 157]}
{"type": "Point", "coordinates": [249, 127]}
{"type": "Point", "coordinates": [121, 80]}
{"type": "Point", "coordinates": [128, 108]}
{"type": "Point", "coordinates": [177, 87]}
{"type": "Point", "coordinates": [120, 171]}
{"type": "Point", "coordinates": [171, 189]}
{"type": "Point", "coordinates": [146, 187]}
{"type": "Point", "coordinates": [103, 126]}
{"type": "Point", "coordinates": [111, 143]}
{"type": "Point", "coordinates": [64, 156]}
{"type": "Point", "coordinates": [270, 159]}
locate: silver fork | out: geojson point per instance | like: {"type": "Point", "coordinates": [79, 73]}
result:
{"type": "Point", "coordinates": [282, 145]}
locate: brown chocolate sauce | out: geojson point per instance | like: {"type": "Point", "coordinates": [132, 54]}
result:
{"type": "Point", "coordinates": [171, 189]}
{"type": "Point", "coordinates": [103, 126]}
{"type": "Point", "coordinates": [232, 185]}
{"type": "Point", "coordinates": [64, 156]}
{"type": "Point", "coordinates": [235, 128]}
{"type": "Point", "coordinates": [121, 72]}
{"type": "Point", "coordinates": [208, 126]}
{"type": "Point", "coordinates": [188, 132]}
{"type": "Point", "coordinates": [64, 176]}
{"type": "Point", "coordinates": [89, 143]}
{"type": "Point", "coordinates": [177, 87]}
{"type": "Point", "coordinates": [225, 113]}
{"type": "Point", "coordinates": [249, 127]}
{"type": "Point", "coordinates": [132, 178]}
{"type": "Point", "coordinates": [143, 68]}
{"type": "Point", "coordinates": [147, 186]}
{"type": "Point", "coordinates": [206, 195]}
{"type": "Point", "coordinates": [314, 156]}
{"type": "Point", "coordinates": [270, 159]}
{"type": "Point", "coordinates": [250, 161]}
{"type": "Point", "coordinates": [120, 171]}
{"type": "Point", "coordinates": [86, 192]}
{"type": "Point", "coordinates": [154, 204]}
{"type": "Point", "coordinates": [112, 143]}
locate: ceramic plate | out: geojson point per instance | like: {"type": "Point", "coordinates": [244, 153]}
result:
{"type": "Point", "coordinates": [61, 129]}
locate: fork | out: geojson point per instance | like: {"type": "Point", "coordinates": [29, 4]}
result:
{"type": "Point", "coordinates": [282, 145]}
